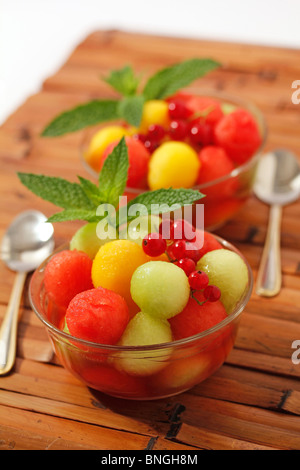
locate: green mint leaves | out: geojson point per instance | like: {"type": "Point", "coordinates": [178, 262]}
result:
{"type": "Point", "coordinates": [129, 107]}
{"type": "Point", "coordinates": [85, 115]}
{"type": "Point", "coordinates": [124, 81]}
{"type": "Point", "coordinates": [113, 176]}
{"type": "Point", "coordinates": [169, 80]}
{"type": "Point", "coordinates": [81, 201]}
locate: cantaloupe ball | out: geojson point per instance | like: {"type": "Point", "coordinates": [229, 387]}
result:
{"type": "Point", "coordinates": [173, 164]}
{"type": "Point", "coordinates": [100, 141]}
{"type": "Point", "coordinates": [154, 112]}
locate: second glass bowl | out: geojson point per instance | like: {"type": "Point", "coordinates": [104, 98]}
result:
{"type": "Point", "coordinates": [225, 196]}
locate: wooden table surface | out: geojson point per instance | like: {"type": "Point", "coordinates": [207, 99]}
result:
{"type": "Point", "coordinates": [253, 401]}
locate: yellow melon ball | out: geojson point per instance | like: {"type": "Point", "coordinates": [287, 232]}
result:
{"type": "Point", "coordinates": [173, 164]}
{"type": "Point", "coordinates": [155, 112]}
{"type": "Point", "coordinates": [100, 142]}
{"type": "Point", "coordinates": [114, 265]}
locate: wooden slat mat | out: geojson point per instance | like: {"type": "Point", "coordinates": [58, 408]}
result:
{"type": "Point", "coordinates": [253, 401]}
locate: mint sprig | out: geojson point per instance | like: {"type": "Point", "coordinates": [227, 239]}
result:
{"type": "Point", "coordinates": [170, 79]}
{"type": "Point", "coordinates": [124, 81]}
{"type": "Point", "coordinates": [81, 200]}
{"type": "Point", "coordinates": [129, 107]}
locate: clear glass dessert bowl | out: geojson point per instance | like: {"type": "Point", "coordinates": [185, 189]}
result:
{"type": "Point", "coordinates": [225, 195]}
{"type": "Point", "coordinates": [142, 372]}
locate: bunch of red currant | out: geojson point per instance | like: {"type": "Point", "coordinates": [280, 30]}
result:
{"type": "Point", "coordinates": [184, 124]}
{"type": "Point", "coordinates": [178, 240]}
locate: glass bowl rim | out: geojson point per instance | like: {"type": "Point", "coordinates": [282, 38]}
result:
{"type": "Point", "coordinates": [153, 347]}
{"type": "Point", "coordinates": [240, 102]}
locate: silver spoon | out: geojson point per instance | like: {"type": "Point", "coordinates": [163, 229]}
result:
{"type": "Point", "coordinates": [277, 184]}
{"type": "Point", "coordinates": [25, 245]}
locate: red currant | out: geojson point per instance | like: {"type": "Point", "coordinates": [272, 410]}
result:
{"type": "Point", "coordinates": [140, 137]}
{"type": "Point", "coordinates": [212, 293]}
{"type": "Point", "coordinates": [178, 110]}
{"type": "Point", "coordinates": [184, 230]}
{"type": "Point", "coordinates": [177, 249]}
{"type": "Point", "coordinates": [201, 133]}
{"type": "Point", "coordinates": [166, 229]}
{"type": "Point", "coordinates": [198, 280]}
{"type": "Point", "coordinates": [178, 129]}
{"type": "Point", "coordinates": [188, 265]}
{"type": "Point", "coordinates": [155, 132]}
{"type": "Point", "coordinates": [192, 251]}
{"type": "Point", "coordinates": [151, 145]}
{"type": "Point", "coordinates": [154, 244]}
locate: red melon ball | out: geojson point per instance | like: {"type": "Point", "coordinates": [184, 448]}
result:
{"type": "Point", "coordinates": [215, 163]}
{"type": "Point", "coordinates": [239, 135]}
{"type": "Point", "coordinates": [98, 315]}
{"type": "Point", "coordinates": [196, 318]}
{"type": "Point", "coordinates": [210, 243]}
{"type": "Point", "coordinates": [67, 273]}
{"type": "Point", "coordinates": [138, 157]}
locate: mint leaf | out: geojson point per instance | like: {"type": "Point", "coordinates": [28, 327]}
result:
{"type": "Point", "coordinates": [74, 214]}
{"type": "Point", "coordinates": [60, 192]}
{"type": "Point", "coordinates": [91, 190]}
{"type": "Point", "coordinates": [123, 80]}
{"type": "Point", "coordinates": [168, 80]}
{"type": "Point", "coordinates": [131, 109]}
{"type": "Point", "coordinates": [82, 116]}
{"type": "Point", "coordinates": [113, 176]}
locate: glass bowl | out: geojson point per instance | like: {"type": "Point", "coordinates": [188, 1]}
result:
{"type": "Point", "coordinates": [225, 196]}
{"type": "Point", "coordinates": [156, 371]}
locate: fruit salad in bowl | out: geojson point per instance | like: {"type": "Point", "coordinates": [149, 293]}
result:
{"type": "Point", "coordinates": [138, 306]}
{"type": "Point", "coordinates": [177, 136]}
{"type": "Point", "coordinates": [193, 139]}
{"type": "Point", "coordinates": [137, 326]}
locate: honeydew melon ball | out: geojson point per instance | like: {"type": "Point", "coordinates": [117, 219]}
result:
{"type": "Point", "coordinates": [87, 239]}
{"type": "Point", "coordinates": [144, 330]}
{"type": "Point", "coordinates": [227, 270]}
{"type": "Point", "coordinates": [173, 164]}
{"type": "Point", "coordinates": [160, 289]}
{"type": "Point", "coordinates": [140, 227]}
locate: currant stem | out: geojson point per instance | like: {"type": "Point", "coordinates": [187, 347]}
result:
{"type": "Point", "coordinates": [203, 113]}
{"type": "Point", "coordinates": [198, 301]}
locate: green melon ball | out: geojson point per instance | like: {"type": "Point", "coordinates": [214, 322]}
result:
{"type": "Point", "coordinates": [144, 330]}
{"type": "Point", "coordinates": [227, 270]}
{"type": "Point", "coordinates": [87, 240]}
{"type": "Point", "coordinates": [160, 288]}
{"type": "Point", "coordinates": [140, 227]}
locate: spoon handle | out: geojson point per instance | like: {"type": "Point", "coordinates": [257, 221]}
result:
{"type": "Point", "coordinates": [268, 282]}
{"type": "Point", "coordinates": [8, 330]}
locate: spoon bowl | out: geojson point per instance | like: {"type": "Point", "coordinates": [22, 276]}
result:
{"type": "Point", "coordinates": [27, 242]}
{"type": "Point", "coordinates": [277, 184]}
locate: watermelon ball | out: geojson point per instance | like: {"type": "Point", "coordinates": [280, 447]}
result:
{"type": "Point", "coordinates": [98, 315]}
{"type": "Point", "coordinates": [210, 243]}
{"type": "Point", "coordinates": [196, 318]}
{"type": "Point", "coordinates": [67, 273]}
{"type": "Point", "coordinates": [215, 163]}
{"type": "Point", "coordinates": [210, 108]}
{"type": "Point", "coordinates": [238, 134]}
{"type": "Point", "coordinates": [138, 157]}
